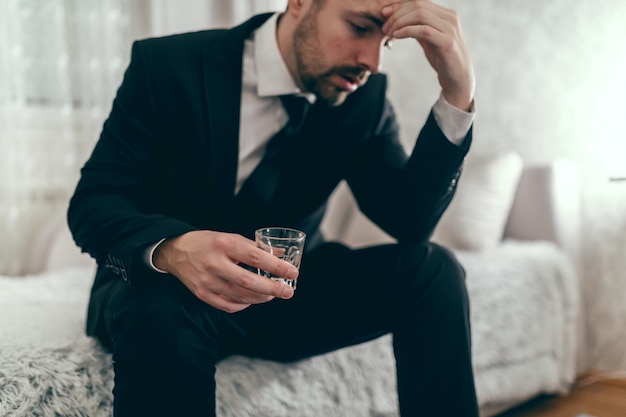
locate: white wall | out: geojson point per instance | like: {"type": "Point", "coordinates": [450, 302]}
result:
{"type": "Point", "coordinates": [550, 84]}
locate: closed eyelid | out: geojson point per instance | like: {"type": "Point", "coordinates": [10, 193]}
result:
{"type": "Point", "coordinates": [369, 18]}
{"type": "Point", "coordinates": [360, 27]}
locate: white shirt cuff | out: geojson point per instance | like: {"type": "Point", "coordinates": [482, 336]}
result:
{"type": "Point", "coordinates": [148, 255]}
{"type": "Point", "coordinates": [453, 122]}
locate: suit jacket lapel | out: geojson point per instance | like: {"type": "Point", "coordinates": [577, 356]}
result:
{"type": "Point", "coordinates": [222, 84]}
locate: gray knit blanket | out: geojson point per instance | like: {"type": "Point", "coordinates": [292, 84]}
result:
{"type": "Point", "coordinates": [524, 313]}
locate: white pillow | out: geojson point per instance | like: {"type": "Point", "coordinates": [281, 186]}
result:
{"type": "Point", "coordinates": [477, 215]}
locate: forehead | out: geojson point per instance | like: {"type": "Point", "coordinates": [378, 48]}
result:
{"type": "Point", "coordinates": [370, 6]}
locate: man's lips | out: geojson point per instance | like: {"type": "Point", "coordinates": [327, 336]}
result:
{"type": "Point", "coordinates": [349, 82]}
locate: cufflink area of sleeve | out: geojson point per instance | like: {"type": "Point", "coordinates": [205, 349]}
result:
{"type": "Point", "coordinates": [149, 257]}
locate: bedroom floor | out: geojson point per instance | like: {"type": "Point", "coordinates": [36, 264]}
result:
{"type": "Point", "coordinates": [604, 398]}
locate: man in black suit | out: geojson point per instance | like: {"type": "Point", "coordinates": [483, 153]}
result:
{"type": "Point", "coordinates": [169, 200]}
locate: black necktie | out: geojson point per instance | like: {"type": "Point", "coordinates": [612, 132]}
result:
{"type": "Point", "coordinates": [296, 108]}
{"type": "Point", "coordinates": [258, 189]}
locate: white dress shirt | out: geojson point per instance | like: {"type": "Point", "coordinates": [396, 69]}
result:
{"type": "Point", "coordinates": [265, 78]}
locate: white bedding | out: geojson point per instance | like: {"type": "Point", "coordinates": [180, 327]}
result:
{"type": "Point", "coordinates": [525, 307]}
{"type": "Point", "coordinates": [524, 310]}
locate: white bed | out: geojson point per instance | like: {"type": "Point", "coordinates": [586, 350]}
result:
{"type": "Point", "coordinates": [526, 317]}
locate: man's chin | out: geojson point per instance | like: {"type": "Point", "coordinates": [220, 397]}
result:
{"type": "Point", "coordinates": [337, 100]}
{"type": "Point", "coordinates": [334, 98]}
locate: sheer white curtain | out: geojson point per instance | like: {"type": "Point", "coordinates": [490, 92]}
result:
{"type": "Point", "coordinates": [60, 64]}
{"type": "Point", "coordinates": [170, 16]}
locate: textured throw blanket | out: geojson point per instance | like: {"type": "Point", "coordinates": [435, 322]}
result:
{"type": "Point", "coordinates": [524, 311]}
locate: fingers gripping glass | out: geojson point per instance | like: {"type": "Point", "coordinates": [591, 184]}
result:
{"type": "Point", "coordinates": [284, 243]}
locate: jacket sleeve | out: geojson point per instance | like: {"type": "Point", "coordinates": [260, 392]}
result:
{"type": "Point", "coordinates": [110, 212]}
{"type": "Point", "coordinates": [407, 195]}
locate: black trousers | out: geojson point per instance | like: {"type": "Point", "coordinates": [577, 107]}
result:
{"type": "Point", "coordinates": [166, 342]}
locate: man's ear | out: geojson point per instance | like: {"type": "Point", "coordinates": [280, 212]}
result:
{"type": "Point", "coordinates": [296, 7]}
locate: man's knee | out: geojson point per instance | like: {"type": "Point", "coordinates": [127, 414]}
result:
{"type": "Point", "coordinates": [448, 262]}
{"type": "Point", "coordinates": [435, 291]}
{"type": "Point", "coordinates": [430, 266]}
{"type": "Point", "coordinates": [431, 257]}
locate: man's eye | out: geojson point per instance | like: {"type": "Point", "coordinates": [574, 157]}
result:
{"type": "Point", "coordinates": [359, 29]}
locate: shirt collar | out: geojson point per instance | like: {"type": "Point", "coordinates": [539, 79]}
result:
{"type": "Point", "coordinates": [273, 77]}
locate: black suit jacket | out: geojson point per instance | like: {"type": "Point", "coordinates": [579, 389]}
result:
{"type": "Point", "coordinates": [166, 160]}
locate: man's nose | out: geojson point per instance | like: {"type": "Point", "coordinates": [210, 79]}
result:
{"type": "Point", "coordinates": [370, 56]}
